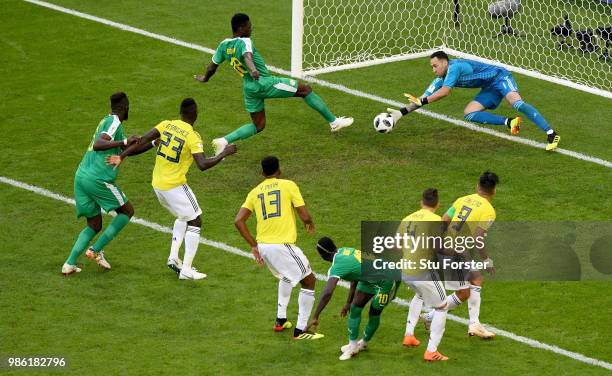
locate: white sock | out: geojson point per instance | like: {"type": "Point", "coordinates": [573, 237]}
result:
{"type": "Point", "coordinates": [284, 294]}
{"type": "Point", "coordinates": [437, 329]}
{"type": "Point", "coordinates": [305, 301]}
{"type": "Point", "coordinates": [192, 239]}
{"type": "Point", "coordinates": [452, 301]}
{"type": "Point", "coordinates": [474, 304]}
{"type": "Point", "coordinates": [178, 234]}
{"type": "Point", "coordinates": [413, 314]}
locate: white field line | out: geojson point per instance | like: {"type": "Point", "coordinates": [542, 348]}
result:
{"type": "Point", "coordinates": [321, 277]}
{"type": "Point", "coordinates": [341, 88]}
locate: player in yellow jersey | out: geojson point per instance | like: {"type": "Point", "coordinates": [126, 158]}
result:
{"type": "Point", "coordinates": [178, 145]}
{"type": "Point", "coordinates": [472, 215]}
{"type": "Point", "coordinates": [273, 201]}
{"type": "Point", "coordinates": [424, 281]}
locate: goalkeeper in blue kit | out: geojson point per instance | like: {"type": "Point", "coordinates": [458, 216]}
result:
{"type": "Point", "coordinates": [495, 83]}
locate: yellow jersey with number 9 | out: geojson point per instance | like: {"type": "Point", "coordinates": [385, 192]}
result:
{"type": "Point", "coordinates": [470, 212]}
{"type": "Point", "coordinates": [273, 202]}
{"type": "Point", "coordinates": [177, 142]}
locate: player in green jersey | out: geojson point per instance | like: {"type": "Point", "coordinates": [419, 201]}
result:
{"type": "Point", "coordinates": [346, 265]}
{"type": "Point", "coordinates": [95, 188]}
{"type": "Point", "coordinates": [259, 84]}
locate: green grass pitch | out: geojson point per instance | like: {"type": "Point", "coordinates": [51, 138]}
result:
{"type": "Point", "coordinates": [57, 73]}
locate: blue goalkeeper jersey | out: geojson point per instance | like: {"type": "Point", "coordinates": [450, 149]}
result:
{"type": "Point", "coordinates": [468, 74]}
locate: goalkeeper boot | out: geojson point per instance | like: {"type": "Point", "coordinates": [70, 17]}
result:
{"type": "Point", "coordinates": [341, 122]}
{"type": "Point", "coordinates": [282, 324]}
{"type": "Point", "coordinates": [434, 356]}
{"type": "Point", "coordinates": [514, 124]}
{"type": "Point", "coordinates": [411, 341]}
{"type": "Point", "coordinates": [553, 141]}
{"type": "Point", "coordinates": [99, 257]}
{"type": "Point", "coordinates": [68, 269]}
{"type": "Point", "coordinates": [480, 331]}
{"type": "Point", "coordinates": [219, 144]}
{"type": "Point", "coordinates": [175, 265]}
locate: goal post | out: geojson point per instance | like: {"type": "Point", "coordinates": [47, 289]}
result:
{"type": "Point", "coordinates": [530, 37]}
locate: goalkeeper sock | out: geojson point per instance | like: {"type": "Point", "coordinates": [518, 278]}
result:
{"type": "Point", "coordinates": [438, 325]}
{"type": "Point", "coordinates": [192, 239]}
{"type": "Point", "coordinates": [80, 245]}
{"type": "Point", "coordinates": [316, 103]}
{"type": "Point", "coordinates": [354, 322]}
{"type": "Point", "coordinates": [111, 231]}
{"type": "Point", "coordinates": [284, 294]}
{"type": "Point", "coordinates": [532, 114]}
{"type": "Point", "coordinates": [483, 117]}
{"type": "Point", "coordinates": [372, 325]}
{"type": "Point", "coordinates": [474, 304]}
{"type": "Point", "coordinates": [178, 234]}
{"type": "Point", "coordinates": [306, 300]}
{"type": "Point", "coordinates": [416, 304]}
{"type": "Point", "coordinates": [241, 133]}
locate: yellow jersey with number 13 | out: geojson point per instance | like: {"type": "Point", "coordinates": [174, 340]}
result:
{"type": "Point", "coordinates": [273, 202]}
{"type": "Point", "coordinates": [178, 141]}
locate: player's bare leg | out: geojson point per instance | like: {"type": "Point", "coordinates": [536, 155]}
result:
{"type": "Point", "coordinates": [515, 100]}
{"type": "Point", "coordinates": [316, 103]}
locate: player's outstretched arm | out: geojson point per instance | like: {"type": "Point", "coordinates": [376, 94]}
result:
{"type": "Point", "coordinates": [105, 142]}
{"type": "Point", "coordinates": [324, 299]}
{"type": "Point", "coordinates": [248, 60]}
{"type": "Point", "coordinates": [306, 218]}
{"type": "Point", "coordinates": [210, 71]}
{"type": "Point", "coordinates": [206, 163]}
{"type": "Point", "coordinates": [144, 143]}
{"type": "Point", "coordinates": [240, 223]}
{"type": "Point", "coordinates": [484, 256]}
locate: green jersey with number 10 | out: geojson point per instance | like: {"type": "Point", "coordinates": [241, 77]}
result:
{"type": "Point", "coordinates": [233, 50]}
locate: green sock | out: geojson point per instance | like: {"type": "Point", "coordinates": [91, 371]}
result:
{"type": "Point", "coordinates": [371, 326]}
{"type": "Point", "coordinates": [111, 231]}
{"type": "Point", "coordinates": [80, 245]}
{"type": "Point", "coordinates": [354, 321]}
{"type": "Point", "coordinates": [316, 103]}
{"type": "Point", "coordinates": [241, 133]}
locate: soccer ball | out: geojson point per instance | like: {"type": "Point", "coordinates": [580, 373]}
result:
{"type": "Point", "coordinates": [383, 123]}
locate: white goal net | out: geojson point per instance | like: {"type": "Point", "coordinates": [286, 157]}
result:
{"type": "Point", "coordinates": [564, 41]}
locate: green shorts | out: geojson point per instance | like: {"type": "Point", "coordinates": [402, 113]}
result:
{"type": "Point", "coordinates": [383, 291]}
{"type": "Point", "coordinates": [254, 92]}
{"type": "Point", "coordinates": [91, 195]}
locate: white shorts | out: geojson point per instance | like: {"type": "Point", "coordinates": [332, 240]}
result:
{"type": "Point", "coordinates": [428, 286]}
{"type": "Point", "coordinates": [179, 201]}
{"type": "Point", "coordinates": [456, 279]}
{"type": "Point", "coordinates": [285, 261]}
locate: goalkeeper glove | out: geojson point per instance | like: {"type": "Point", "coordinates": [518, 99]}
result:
{"type": "Point", "coordinates": [395, 114]}
{"type": "Point", "coordinates": [420, 102]}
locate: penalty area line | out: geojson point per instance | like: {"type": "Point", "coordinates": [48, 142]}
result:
{"type": "Point", "coordinates": [342, 88]}
{"type": "Point", "coordinates": [321, 277]}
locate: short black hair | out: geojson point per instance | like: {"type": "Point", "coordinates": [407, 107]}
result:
{"type": "Point", "coordinates": [326, 247]}
{"type": "Point", "coordinates": [487, 182]}
{"type": "Point", "coordinates": [430, 197]}
{"type": "Point", "coordinates": [117, 99]}
{"type": "Point", "coordinates": [188, 105]}
{"type": "Point", "coordinates": [238, 20]}
{"type": "Point", "coordinates": [440, 55]}
{"type": "Point", "coordinates": [270, 165]}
